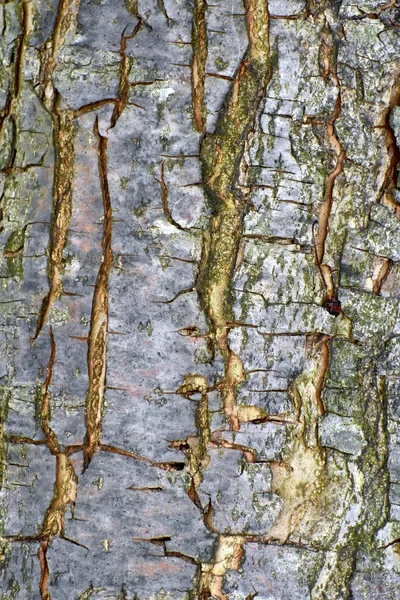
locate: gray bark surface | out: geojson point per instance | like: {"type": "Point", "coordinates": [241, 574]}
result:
{"type": "Point", "coordinates": [199, 271]}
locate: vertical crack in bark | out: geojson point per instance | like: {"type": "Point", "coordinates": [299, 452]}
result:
{"type": "Point", "coordinates": [125, 66]}
{"type": "Point", "coordinates": [13, 95]}
{"type": "Point", "coordinates": [390, 182]}
{"type": "Point", "coordinates": [222, 156]}
{"type": "Point", "coordinates": [330, 71]}
{"type": "Point", "coordinates": [199, 59]}
{"type": "Point", "coordinates": [65, 486]}
{"type": "Point", "coordinates": [44, 410]}
{"type": "Point", "coordinates": [223, 167]}
{"type": "Point", "coordinates": [62, 119]}
{"type": "Point", "coordinates": [10, 110]}
{"type": "Point", "coordinates": [97, 341]}
{"type": "Point", "coordinates": [44, 571]}
{"type": "Point", "coordinates": [164, 200]}
{"type": "Point", "coordinates": [65, 491]}
{"type": "Point", "coordinates": [62, 210]}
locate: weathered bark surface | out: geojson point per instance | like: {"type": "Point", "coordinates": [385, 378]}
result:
{"type": "Point", "coordinates": [200, 225]}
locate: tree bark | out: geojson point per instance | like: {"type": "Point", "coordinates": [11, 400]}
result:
{"type": "Point", "coordinates": [200, 208]}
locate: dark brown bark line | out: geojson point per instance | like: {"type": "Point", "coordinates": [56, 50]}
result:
{"type": "Point", "coordinates": [14, 93]}
{"type": "Point", "coordinates": [124, 85]}
{"type": "Point", "coordinates": [380, 278]}
{"type": "Point", "coordinates": [66, 481]}
{"type": "Point", "coordinates": [62, 210]}
{"type": "Point", "coordinates": [63, 142]}
{"type": "Point", "coordinates": [328, 54]}
{"type": "Point", "coordinates": [198, 65]}
{"type": "Point", "coordinates": [10, 111]}
{"type": "Point", "coordinates": [65, 491]}
{"type": "Point", "coordinates": [391, 176]}
{"type": "Point", "coordinates": [44, 408]}
{"type": "Point", "coordinates": [65, 486]}
{"type": "Point", "coordinates": [97, 341]}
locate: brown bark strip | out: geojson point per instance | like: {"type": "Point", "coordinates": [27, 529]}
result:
{"type": "Point", "coordinates": [223, 167]}
{"type": "Point", "coordinates": [13, 97]}
{"type": "Point", "coordinates": [124, 84]}
{"type": "Point", "coordinates": [10, 109]}
{"type": "Point", "coordinates": [222, 156]}
{"type": "Point", "coordinates": [62, 210]}
{"type": "Point", "coordinates": [195, 446]}
{"type": "Point", "coordinates": [228, 555]}
{"type": "Point", "coordinates": [199, 47]}
{"type": "Point", "coordinates": [323, 366]}
{"type": "Point", "coordinates": [97, 341]}
{"type": "Point", "coordinates": [65, 486]}
{"type": "Point", "coordinates": [65, 489]}
{"type": "Point", "coordinates": [328, 69]}
{"type": "Point", "coordinates": [44, 572]}
{"type": "Point", "coordinates": [391, 175]}
{"type": "Point", "coordinates": [45, 414]}
{"type": "Point", "coordinates": [64, 155]}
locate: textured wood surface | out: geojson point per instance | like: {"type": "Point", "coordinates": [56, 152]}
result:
{"type": "Point", "coordinates": [200, 283]}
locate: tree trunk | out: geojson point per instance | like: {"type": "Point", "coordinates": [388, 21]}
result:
{"type": "Point", "coordinates": [200, 311]}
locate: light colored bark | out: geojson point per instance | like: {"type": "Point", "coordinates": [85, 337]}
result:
{"type": "Point", "coordinates": [200, 284]}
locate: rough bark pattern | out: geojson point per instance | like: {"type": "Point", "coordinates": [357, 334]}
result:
{"type": "Point", "coordinates": [200, 279]}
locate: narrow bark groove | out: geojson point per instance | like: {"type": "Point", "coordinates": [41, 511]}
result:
{"type": "Point", "coordinates": [97, 340]}
{"type": "Point", "coordinates": [63, 134]}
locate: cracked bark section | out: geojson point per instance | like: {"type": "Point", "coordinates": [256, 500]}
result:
{"type": "Point", "coordinates": [97, 340]}
{"type": "Point", "coordinates": [370, 488]}
{"type": "Point", "coordinates": [328, 67]}
{"type": "Point", "coordinates": [299, 479]}
{"type": "Point", "coordinates": [195, 447]}
{"type": "Point", "coordinates": [228, 555]}
{"type": "Point", "coordinates": [62, 210]}
{"type": "Point", "coordinates": [223, 170]}
{"type": "Point", "coordinates": [63, 135]}
{"type": "Point", "coordinates": [15, 91]}
{"type": "Point", "coordinates": [65, 485]}
{"type": "Point", "coordinates": [222, 157]}
{"type": "Point", "coordinates": [199, 58]}
{"type": "Point", "coordinates": [390, 181]}
{"type": "Point", "coordinates": [318, 510]}
{"type": "Point", "coordinates": [9, 114]}
{"type": "Point", "coordinates": [65, 490]}
{"type": "Point", "coordinates": [125, 67]}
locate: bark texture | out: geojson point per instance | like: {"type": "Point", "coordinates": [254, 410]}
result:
{"type": "Point", "coordinates": [200, 283]}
